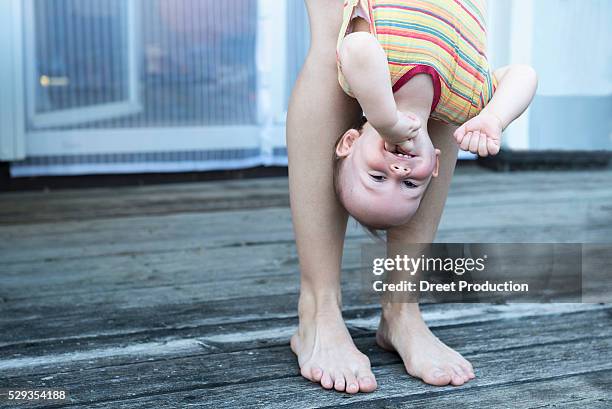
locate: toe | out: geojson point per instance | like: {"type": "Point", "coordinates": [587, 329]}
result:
{"type": "Point", "coordinates": [460, 134]}
{"type": "Point", "coordinates": [465, 143]}
{"type": "Point", "coordinates": [365, 377]}
{"type": "Point", "coordinates": [339, 382]}
{"type": "Point", "coordinates": [306, 372]}
{"type": "Point", "coordinates": [467, 372]}
{"type": "Point", "coordinates": [437, 378]}
{"type": "Point", "coordinates": [457, 376]}
{"type": "Point", "coordinates": [316, 374]}
{"type": "Point", "coordinates": [367, 383]}
{"type": "Point", "coordinates": [473, 147]}
{"type": "Point", "coordinates": [466, 364]}
{"type": "Point", "coordinates": [326, 381]}
{"type": "Point", "coordinates": [492, 147]}
{"type": "Point", "coordinates": [352, 386]}
{"type": "Point", "coordinates": [461, 372]}
{"type": "Point", "coordinates": [457, 380]}
{"type": "Point", "coordinates": [482, 146]}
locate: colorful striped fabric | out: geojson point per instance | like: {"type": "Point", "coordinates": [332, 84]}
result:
{"type": "Point", "coordinates": [443, 38]}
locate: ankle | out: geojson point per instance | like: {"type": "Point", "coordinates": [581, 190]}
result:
{"type": "Point", "coordinates": [315, 303]}
{"type": "Point", "coordinates": [397, 310]}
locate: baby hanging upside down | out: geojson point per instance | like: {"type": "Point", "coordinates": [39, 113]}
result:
{"type": "Point", "coordinates": [407, 61]}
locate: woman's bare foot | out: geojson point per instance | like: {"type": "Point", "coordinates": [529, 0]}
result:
{"type": "Point", "coordinates": [403, 330]}
{"type": "Point", "coordinates": [326, 353]}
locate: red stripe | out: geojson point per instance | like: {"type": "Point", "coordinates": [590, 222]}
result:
{"type": "Point", "coordinates": [396, 87]}
{"type": "Point", "coordinates": [463, 83]}
{"type": "Point", "coordinates": [438, 42]}
{"type": "Point", "coordinates": [422, 69]}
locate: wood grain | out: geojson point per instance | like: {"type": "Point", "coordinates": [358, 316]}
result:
{"type": "Point", "coordinates": [186, 295]}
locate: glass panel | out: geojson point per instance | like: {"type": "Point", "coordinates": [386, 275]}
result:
{"type": "Point", "coordinates": [80, 53]}
{"type": "Point", "coordinates": [199, 59]}
{"type": "Point", "coordinates": [196, 59]}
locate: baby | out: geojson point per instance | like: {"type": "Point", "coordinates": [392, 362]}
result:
{"type": "Point", "coordinates": [407, 61]}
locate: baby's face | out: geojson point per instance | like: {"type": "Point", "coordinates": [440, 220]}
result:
{"type": "Point", "coordinates": [380, 185]}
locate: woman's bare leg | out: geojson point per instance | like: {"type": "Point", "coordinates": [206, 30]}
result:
{"type": "Point", "coordinates": [319, 112]}
{"type": "Point", "coordinates": [401, 326]}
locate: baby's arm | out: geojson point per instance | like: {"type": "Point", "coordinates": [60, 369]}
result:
{"type": "Point", "coordinates": [516, 87]}
{"type": "Point", "coordinates": [364, 65]}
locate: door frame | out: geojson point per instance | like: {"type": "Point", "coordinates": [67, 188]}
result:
{"type": "Point", "coordinates": [267, 134]}
{"type": "Point", "coordinates": [12, 115]}
{"type": "Point", "coordinates": [75, 116]}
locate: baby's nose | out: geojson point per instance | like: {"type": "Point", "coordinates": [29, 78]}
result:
{"type": "Point", "coordinates": [400, 169]}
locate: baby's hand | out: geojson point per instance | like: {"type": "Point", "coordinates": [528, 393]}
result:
{"type": "Point", "coordinates": [406, 128]}
{"type": "Point", "coordinates": [481, 134]}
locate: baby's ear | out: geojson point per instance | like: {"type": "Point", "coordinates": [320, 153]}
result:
{"type": "Point", "coordinates": [437, 167]}
{"type": "Point", "coordinates": [346, 142]}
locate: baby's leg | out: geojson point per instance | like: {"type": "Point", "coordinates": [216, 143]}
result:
{"type": "Point", "coordinates": [515, 91]}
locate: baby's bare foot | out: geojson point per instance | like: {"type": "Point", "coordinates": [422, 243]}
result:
{"type": "Point", "coordinates": [481, 135]}
{"type": "Point", "coordinates": [327, 355]}
{"type": "Point", "coordinates": [424, 355]}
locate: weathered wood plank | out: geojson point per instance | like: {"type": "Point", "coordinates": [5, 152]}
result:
{"type": "Point", "coordinates": [158, 296]}
{"type": "Point", "coordinates": [496, 329]}
{"type": "Point", "coordinates": [487, 198]}
{"type": "Point", "coordinates": [591, 390]}
{"type": "Point", "coordinates": [100, 238]}
{"type": "Point", "coordinates": [78, 205]}
{"type": "Point", "coordinates": [43, 279]}
{"type": "Point", "coordinates": [519, 210]}
{"type": "Point", "coordinates": [63, 205]}
{"type": "Point", "coordinates": [124, 286]}
{"type": "Point", "coordinates": [49, 324]}
{"type": "Point", "coordinates": [103, 282]}
{"type": "Point", "coordinates": [126, 290]}
{"type": "Point", "coordinates": [493, 368]}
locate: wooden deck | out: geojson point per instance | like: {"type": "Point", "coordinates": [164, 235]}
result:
{"type": "Point", "coordinates": [185, 295]}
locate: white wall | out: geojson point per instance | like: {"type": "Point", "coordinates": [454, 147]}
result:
{"type": "Point", "coordinates": [568, 43]}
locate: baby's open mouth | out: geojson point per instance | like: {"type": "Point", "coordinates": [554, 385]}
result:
{"type": "Point", "coordinates": [402, 153]}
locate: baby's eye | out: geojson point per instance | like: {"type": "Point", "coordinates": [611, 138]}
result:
{"type": "Point", "coordinates": [378, 178]}
{"type": "Point", "coordinates": [409, 184]}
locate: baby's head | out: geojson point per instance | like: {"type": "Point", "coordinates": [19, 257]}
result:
{"type": "Point", "coordinates": [380, 185]}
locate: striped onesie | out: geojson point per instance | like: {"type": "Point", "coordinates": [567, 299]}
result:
{"type": "Point", "coordinates": [443, 38]}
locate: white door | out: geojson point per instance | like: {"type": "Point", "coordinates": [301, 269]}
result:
{"type": "Point", "coordinates": [151, 85]}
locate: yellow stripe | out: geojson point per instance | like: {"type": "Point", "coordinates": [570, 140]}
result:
{"type": "Point", "coordinates": [436, 21]}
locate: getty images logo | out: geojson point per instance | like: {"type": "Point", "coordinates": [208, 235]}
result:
{"type": "Point", "coordinates": [412, 265]}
